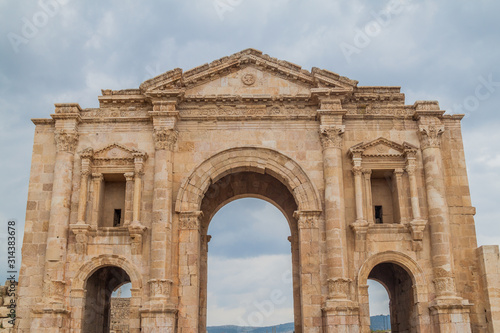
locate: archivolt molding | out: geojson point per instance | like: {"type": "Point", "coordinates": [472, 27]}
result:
{"type": "Point", "coordinates": [255, 159]}
{"type": "Point", "coordinates": [105, 260]}
{"type": "Point", "coordinates": [406, 262]}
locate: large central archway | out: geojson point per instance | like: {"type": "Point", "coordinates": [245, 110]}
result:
{"type": "Point", "coordinates": [253, 172]}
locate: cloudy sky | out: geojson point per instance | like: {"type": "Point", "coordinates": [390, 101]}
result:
{"type": "Point", "coordinates": [67, 50]}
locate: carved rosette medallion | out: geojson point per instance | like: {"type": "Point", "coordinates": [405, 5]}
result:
{"type": "Point", "coordinates": [165, 139]}
{"type": "Point", "coordinates": [248, 79]}
{"type": "Point", "coordinates": [430, 136]}
{"type": "Point", "coordinates": [307, 219]}
{"type": "Point", "coordinates": [190, 220]}
{"type": "Point", "coordinates": [331, 136]}
{"type": "Point", "coordinates": [338, 288]}
{"type": "Point", "coordinates": [66, 141]}
{"type": "Point", "coordinates": [159, 288]}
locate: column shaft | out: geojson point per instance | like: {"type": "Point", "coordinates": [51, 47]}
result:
{"type": "Point", "coordinates": [358, 189]}
{"type": "Point", "coordinates": [415, 204]}
{"type": "Point", "coordinates": [137, 198]}
{"type": "Point", "coordinates": [368, 195]}
{"type": "Point", "coordinates": [82, 205]}
{"type": "Point", "coordinates": [398, 175]}
{"type": "Point", "coordinates": [439, 219]}
{"type": "Point", "coordinates": [97, 199]}
{"type": "Point", "coordinates": [129, 194]}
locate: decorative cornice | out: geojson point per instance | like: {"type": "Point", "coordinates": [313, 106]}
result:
{"type": "Point", "coordinates": [430, 136]}
{"type": "Point", "coordinates": [165, 139]}
{"type": "Point", "coordinates": [66, 141]}
{"type": "Point", "coordinates": [331, 136]}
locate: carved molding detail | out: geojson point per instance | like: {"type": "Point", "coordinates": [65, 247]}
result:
{"type": "Point", "coordinates": [338, 288]}
{"type": "Point", "coordinates": [445, 286]}
{"type": "Point", "coordinates": [444, 282]}
{"type": "Point", "coordinates": [136, 230]}
{"type": "Point", "coordinates": [159, 288]}
{"type": "Point", "coordinates": [190, 220]}
{"type": "Point", "coordinates": [66, 141]}
{"type": "Point", "coordinates": [331, 136]}
{"type": "Point", "coordinates": [430, 136]}
{"type": "Point", "coordinates": [357, 170]}
{"type": "Point", "coordinates": [55, 290]}
{"type": "Point", "coordinates": [165, 139]}
{"type": "Point", "coordinates": [307, 219]}
{"type": "Point", "coordinates": [81, 231]}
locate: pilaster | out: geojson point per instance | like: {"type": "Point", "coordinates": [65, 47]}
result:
{"type": "Point", "coordinates": [448, 310]}
{"type": "Point", "coordinates": [189, 271]}
{"type": "Point", "coordinates": [310, 269]}
{"type": "Point", "coordinates": [48, 314]}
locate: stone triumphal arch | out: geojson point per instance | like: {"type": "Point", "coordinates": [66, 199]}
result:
{"type": "Point", "coordinates": [372, 188]}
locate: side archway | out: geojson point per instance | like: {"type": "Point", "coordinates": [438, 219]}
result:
{"type": "Point", "coordinates": [406, 284]}
{"type": "Point", "coordinates": [96, 279]}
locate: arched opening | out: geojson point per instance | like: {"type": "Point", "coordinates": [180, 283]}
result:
{"type": "Point", "coordinates": [243, 185]}
{"type": "Point", "coordinates": [379, 306]}
{"type": "Point", "coordinates": [399, 286]}
{"type": "Point", "coordinates": [249, 266]}
{"type": "Point", "coordinates": [99, 288]}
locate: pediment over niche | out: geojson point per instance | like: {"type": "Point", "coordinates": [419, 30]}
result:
{"type": "Point", "coordinates": [247, 72]}
{"type": "Point", "coordinates": [116, 151]}
{"type": "Point", "coordinates": [382, 147]}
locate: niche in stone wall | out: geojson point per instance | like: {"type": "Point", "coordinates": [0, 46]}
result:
{"type": "Point", "coordinates": [112, 209]}
{"type": "Point", "coordinates": [382, 184]}
{"type": "Point", "coordinates": [384, 204]}
{"type": "Point", "coordinates": [115, 173]}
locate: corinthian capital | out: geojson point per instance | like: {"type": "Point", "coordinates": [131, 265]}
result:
{"type": "Point", "coordinates": [165, 138]}
{"type": "Point", "coordinates": [331, 136]}
{"type": "Point", "coordinates": [190, 220]}
{"type": "Point", "coordinates": [307, 219]}
{"type": "Point", "coordinates": [66, 141]}
{"type": "Point", "coordinates": [430, 135]}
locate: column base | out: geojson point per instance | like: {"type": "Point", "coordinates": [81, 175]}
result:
{"type": "Point", "coordinates": [50, 318]}
{"type": "Point", "coordinates": [159, 316]}
{"type": "Point", "coordinates": [450, 315]}
{"type": "Point", "coordinates": [341, 316]}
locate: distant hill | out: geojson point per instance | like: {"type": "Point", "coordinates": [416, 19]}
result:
{"type": "Point", "coordinates": [376, 323]}
{"type": "Point", "coordinates": [283, 328]}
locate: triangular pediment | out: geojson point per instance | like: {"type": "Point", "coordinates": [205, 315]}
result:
{"type": "Point", "coordinates": [117, 151]}
{"type": "Point", "coordinates": [382, 147]}
{"type": "Point", "coordinates": [248, 72]}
